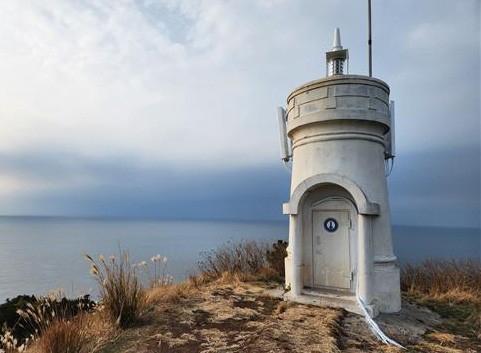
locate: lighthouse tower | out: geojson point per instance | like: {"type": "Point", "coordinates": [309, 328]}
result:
{"type": "Point", "coordinates": [340, 246]}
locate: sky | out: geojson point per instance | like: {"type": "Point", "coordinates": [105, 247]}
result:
{"type": "Point", "coordinates": [163, 108]}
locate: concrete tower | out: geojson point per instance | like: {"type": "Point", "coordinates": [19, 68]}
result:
{"type": "Point", "coordinates": [340, 244]}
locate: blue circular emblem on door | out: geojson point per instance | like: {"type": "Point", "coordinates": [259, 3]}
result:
{"type": "Point", "coordinates": [331, 225]}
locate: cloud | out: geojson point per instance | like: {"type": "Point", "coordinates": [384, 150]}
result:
{"type": "Point", "coordinates": [437, 187]}
{"type": "Point", "coordinates": [194, 81]}
{"type": "Point", "coordinates": [430, 58]}
{"type": "Point", "coordinates": [112, 79]}
{"type": "Point", "coordinates": [98, 97]}
{"type": "Point", "coordinates": [72, 185]}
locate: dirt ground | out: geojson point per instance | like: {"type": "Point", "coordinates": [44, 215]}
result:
{"type": "Point", "coordinates": [244, 317]}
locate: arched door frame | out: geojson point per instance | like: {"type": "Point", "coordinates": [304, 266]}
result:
{"type": "Point", "coordinates": [366, 210]}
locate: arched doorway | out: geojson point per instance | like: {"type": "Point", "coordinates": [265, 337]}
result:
{"type": "Point", "coordinates": [330, 193]}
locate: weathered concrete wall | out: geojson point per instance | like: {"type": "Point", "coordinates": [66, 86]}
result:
{"type": "Point", "coordinates": [337, 126]}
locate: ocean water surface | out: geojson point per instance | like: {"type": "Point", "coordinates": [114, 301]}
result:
{"type": "Point", "coordinates": [41, 254]}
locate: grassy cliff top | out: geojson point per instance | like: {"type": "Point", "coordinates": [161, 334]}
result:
{"type": "Point", "coordinates": [229, 315]}
{"type": "Point", "coordinates": [233, 305]}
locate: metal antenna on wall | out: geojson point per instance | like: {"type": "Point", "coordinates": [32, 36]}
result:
{"type": "Point", "coordinates": [369, 41]}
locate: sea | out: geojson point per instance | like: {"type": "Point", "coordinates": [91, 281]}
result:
{"type": "Point", "coordinates": [41, 255]}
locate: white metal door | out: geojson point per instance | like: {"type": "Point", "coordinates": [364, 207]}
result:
{"type": "Point", "coordinates": [331, 248]}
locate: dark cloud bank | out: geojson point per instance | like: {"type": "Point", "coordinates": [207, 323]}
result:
{"type": "Point", "coordinates": [125, 188]}
{"type": "Point", "coordinates": [439, 188]}
{"type": "Point", "coordinates": [255, 193]}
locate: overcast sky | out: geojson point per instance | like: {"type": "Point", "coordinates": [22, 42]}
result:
{"type": "Point", "coordinates": [160, 108]}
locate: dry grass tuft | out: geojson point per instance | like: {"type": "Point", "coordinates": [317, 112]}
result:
{"type": "Point", "coordinates": [99, 330]}
{"type": "Point", "coordinates": [174, 293]}
{"type": "Point", "coordinates": [247, 257]}
{"type": "Point", "coordinates": [64, 336]}
{"type": "Point", "coordinates": [197, 281]}
{"type": "Point", "coordinates": [87, 332]}
{"type": "Point", "coordinates": [234, 278]}
{"type": "Point", "coordinates": [454, 279]}
{"type": "Point", "coordinates": [452, 288]}
{"type": "Point", "coordinates": [247, 260]}
{"type": "Point", "coordinates": [57, 321]}
{"type": "Point", "coordinates": [120, 289]}
{"type": "Point", "coordinates": [442, 337]}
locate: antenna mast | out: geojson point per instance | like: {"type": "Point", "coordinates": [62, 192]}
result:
{"type": "Point", "coordinates": [369, 41]}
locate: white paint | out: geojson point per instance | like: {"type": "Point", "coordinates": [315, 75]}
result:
{"type": "Point", "coordinates": [331, 250]}
{"type": "Point", "coordinates": [337, 126]}
{"type": "Point", "coordinates": [336, 45]}
{"type": "Point", "coordinates": [295, 262]}
{"type": "Point", "coordinates": [365, 263]}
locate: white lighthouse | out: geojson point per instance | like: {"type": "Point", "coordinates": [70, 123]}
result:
{"type": "Point", "coordinates": [340, 245]}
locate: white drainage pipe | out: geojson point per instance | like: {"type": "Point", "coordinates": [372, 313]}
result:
{"type": "Point", "coordinates": [374, 326]}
